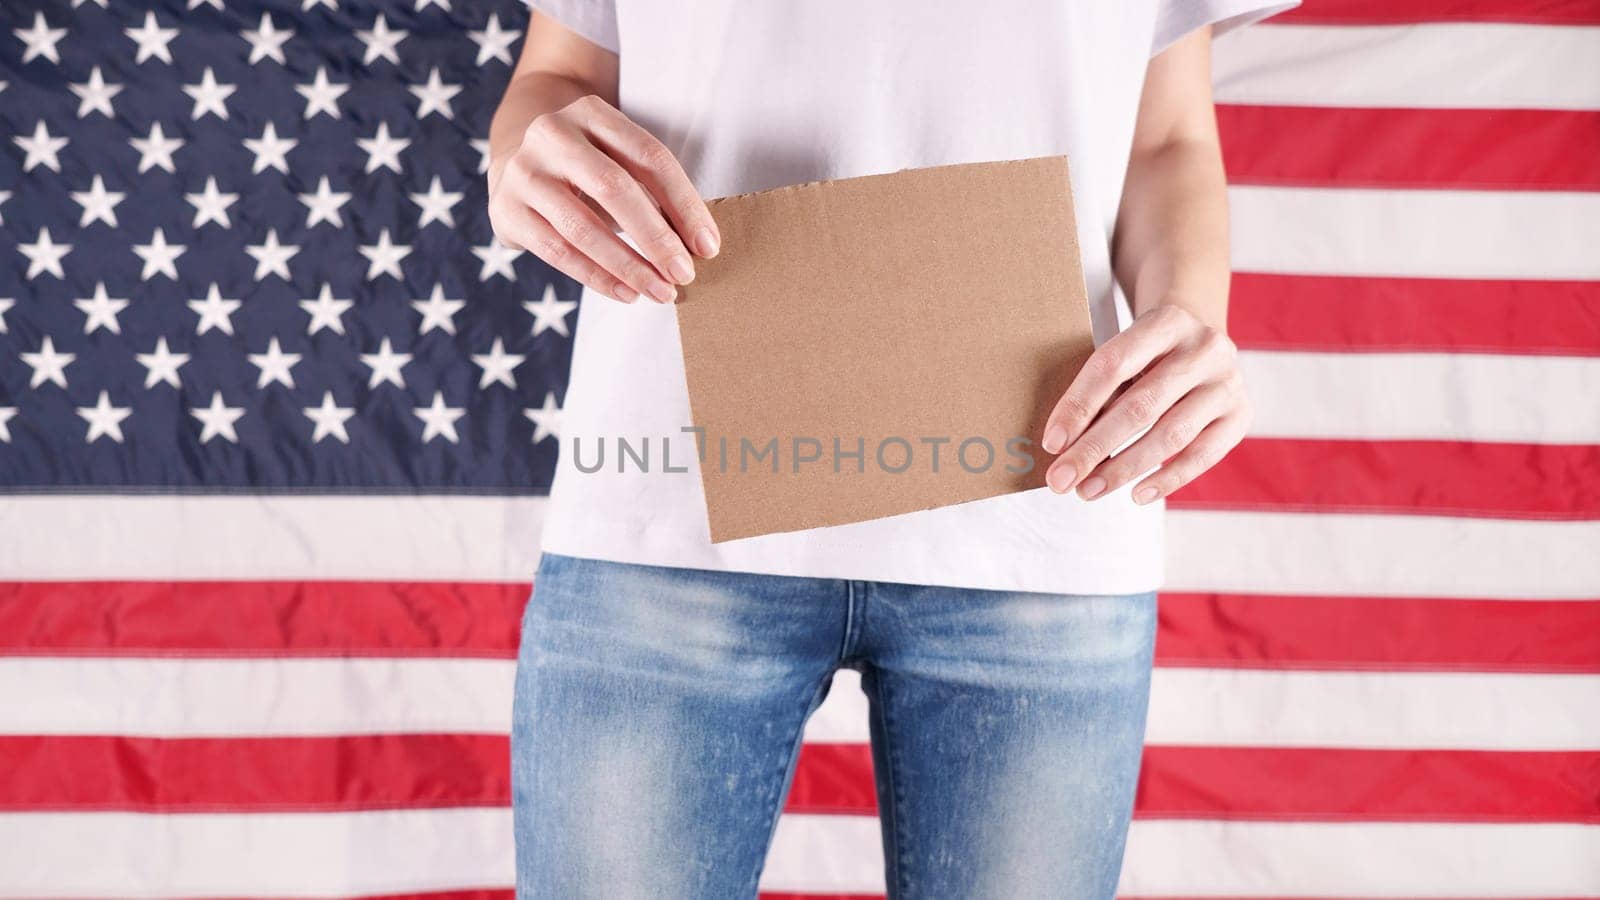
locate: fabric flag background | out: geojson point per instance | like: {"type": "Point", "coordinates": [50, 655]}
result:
{"type": "Point", "coordinates": [276, 417]}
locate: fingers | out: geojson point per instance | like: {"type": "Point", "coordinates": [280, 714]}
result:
{"type": "Point", "coordinates": [1206, 450]}
{"type": "Point", "coordinates": [649, 161]}
{"type": "Point", "coordinates": [1170, 436]}
{"type": "Point", "coordinates": [620, 195]}
{"type": "Point", "coordinates": [584, 230]}
{"type": "Point", "coordinates": [1112, 363]}
{"type": "Point", "coordinates": [522, 227]}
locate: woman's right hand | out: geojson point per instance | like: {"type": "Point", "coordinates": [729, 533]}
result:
{"type": "Point", "coordinates": [581, 173]}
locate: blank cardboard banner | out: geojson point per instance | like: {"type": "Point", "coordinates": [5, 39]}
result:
{"type": "Point", "coordinates": [875, 346]}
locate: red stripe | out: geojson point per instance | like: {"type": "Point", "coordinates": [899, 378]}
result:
{"type": "Point", "coordinates": [1455, 478]}
{"type": "Point", "coordinates": [1486, 149]}
{"type": "Point", "coordinates": [1339, 313]}
{"type": "Point", "coordinates": [1385, 633]}
{"type": "Point", "coordinates": [1397, 12]}
{"type": "Point", "coordinates": [289, 618]}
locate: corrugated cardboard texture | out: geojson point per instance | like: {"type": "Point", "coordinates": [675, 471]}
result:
{"type": "Point", "coordinates": [943, 303]}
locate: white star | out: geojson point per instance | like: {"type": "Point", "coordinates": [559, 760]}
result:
{"type": "Point", "coordinates": [325, 311]}
{"type": "Point", "coordinates": [152, 39]}
{"type": "Point", "coordinates": [383, 150]}
{"type": "Point", "coordinates": [329, 419]}
{"type": "Point", "coordinates": [217, 419]}
{"type": "Point", "coordinates": [99, 3]}
{"type": "Point", "coordinates": [384, 257]}
{"type": "Point", "coordinates": [41, 149]}
{"type": "Point", "coordinates": [195, 4]}
{"type": "Point", "coordinates": [214, 312]}
{"type": "Point", "coordinates": [95, 95]}
{"type": "Point", "coordinates": [270, 150]}
{"type": "Point", "coordinates": [436, 204]}
{"type": "Point", "coordinates": [272, 257]}
{"type": "Point", "coordinates": [274, 365]}
{"type": "Point", "coordinates": [48, 365]}
{"type": "Point", "coordinates": [162, 365]}
{"type": "Point", "coordinates": [331, 4]}
{"type": "Point", "coordinates": [5, 306]}
{"type": "Point", "coordinates": [323, 206]}
{"type": "Point", "coordinates": [7, 413]}
{"type": "Point", "coordinates": [381, 41]}
{"type": "Point", "coordinates": [4, 196]}
{"type": "Point", "coordinates": [497, 365]}
{"type": "Point", "coordinates": [211, 205]}
{"type": "Point", "coordinates": [546, 419]}
{"type": "Point", "coordinates": [439, 420]}
{"type": "Point", "coordinates": [493, 41]}
{"type": "Point", "coordinates": [41, 40]}
{"type": "Point", "coordinates": [549, 312]}
{"type": "Point", "coordinates": [497, 259]}
{"type": "Point", "coordinates": [322, 96]}
{"type": "Point", "coordinates": [437, 312]}
{"type": "Point", "coordinates": [267, 41]}
{"type": "Point", "coordinates": [156, 150]}
{"type": "Point", "coordinates": [435, 96]}
{"type": "Point", "coordinates": [209, 96]}
{"type": "Point", "coordinates": [159, 256]}
{"type": "Point", "coordinates": [443, 4]}
{"type": "Point", "coordinates": [101, 310]}
{"type": "Point", "coordinates": [99, 204]}
{"type": "Point", "coordinates": [386, 365]}
{"type": "Point", "coordinates": [44, 255]}
{"type": "Point", "coordinates": [482, 146]}
{"type": "Point", "coordinates": [104, 419]}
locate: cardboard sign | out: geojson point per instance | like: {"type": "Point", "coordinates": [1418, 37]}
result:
{"type": "Point", "coordinates": [875, 346]}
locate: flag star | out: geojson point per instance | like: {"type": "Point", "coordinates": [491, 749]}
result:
{"type": "Point", "coordinates": [267, 41]}
{"type": "Point", "coordinates": [7, 413]}
{"type": "Point", "coordinates": [549, 312]}
{"type": "Point", "coordinates": [195, 4]}
{"type": "Point", "coordinates": [442, 4]}
{"type": "Point", "coordinates": [274, 365]}
{"type": "Point", "coordinates": [439, 420]}
{"type": "Point", "coordinates": [325, 311]}
{"type": "Point", "coordinates": [307, 4]}
{"type": "Point", "coordinates": [40, 40]}
{"type": "Point", "coordinates": [546, 419]}
{"type": "Point", "coordinates": [272, 257]}
{"type": "Point", "coordinates": [482, 146]}
{"type": "Point", "coordinates": [381, 42]}
{"type": "Point", "coordinates": [329, 419]}
{"type": "Point", "coordinates": [99, 204]}
{"type": "Point", "coordinates": [44, 255]}
{"type": "Point", "coordinates": [162, 365]}
{"type": "Point", "coordinates": [497, 365]}
{"type": "Point", "coordinates": [217, 419]}
{"type": "Point", "coordinates": [436, 204]}
{"type": "Point", "coordinates": [99, 3]}
{"type": "Point", "coordinates": [209, 96]}
{"type": "Point", "coordinates": [104, 419]}
{"type": "Point", "coordinates": [152, 40]}
{"type": "Point", "coordinates": [493, 41]}
{"type": "Point", "coordinates": [5, 306]}
{"type": "Point", "coordinates": [41, 148]}
{"type": "Point", "coordinates": [48, 365]}
{"type": "Point", "coordinates": [95, 95]}
{"type": "Point", "coordinates": [386, 365]}
{"type": "Point", "coordinates": [434, 96]}
{"type": "Point", "coordinates": [437, 312]}
{"type": "Point", "coordinates": [384, 257]}
{"type": "Point", "coordinates": [382, 150]}
{"type": "Point", "coordinates": [211, 205]}
{"type": "Point", "coordinates": [323, 206]}
{"type": "Point", "coordinates": [4, 196]}
{"type": "Point", "coordinates": [322, 95]}
{"type": "Point", "coordinates": [160, 257]}
{"type": "Point", "coordinates": [497, 259]}
{"type": "Point", "coordinates": [270, 150]}
{"type": "Point", "coordinates": [214, 312]}
{"type": "Point", "coordinates": [101, 310]}
{"type": "Point", "coordinates": [156, 150]}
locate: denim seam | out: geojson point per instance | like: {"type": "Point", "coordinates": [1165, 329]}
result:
{"type": "Point", "coordinates": [849, 620]}
{"type": "Point", "coordinates": [896, 876]}
{"type": "Point", "coordinates": [775, 806]}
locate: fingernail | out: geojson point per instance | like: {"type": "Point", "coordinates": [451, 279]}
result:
{"type": "Point", "coordinates": [682, 270]}
{"type": "Point", "coordinates": [1092, 488]}
{"type": "Point", "coordinates": [1145, 494]}
{"type": "Point", "coordinates": [705, 242]}
{"type": "Point", "coordinates": [1060, 478]}
{"type": "Point", "coordinates": [663, 292]}
{"type": "Point", "coordinates": [624, 293]}
{"type": "Point", "coordinates": [1054, 438]}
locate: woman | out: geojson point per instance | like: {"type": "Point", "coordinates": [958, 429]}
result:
{"type": "Point", "coordinates": [1004, 645]}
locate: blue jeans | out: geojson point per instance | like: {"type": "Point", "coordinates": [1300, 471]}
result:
{"type": "Point", "coordinates": [658, 714]}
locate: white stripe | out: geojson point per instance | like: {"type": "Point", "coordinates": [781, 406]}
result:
{"type": "Point", "coordinates": [1438, 66]}
{"type": "Point", "coordinates": [1328, 554]}
{"type": "Point", "coordinates": [395, 538]}
{"type": "Point", "coordinates": [1424, 396]}
{"type": "Point", "coordinates": [1531, 235]}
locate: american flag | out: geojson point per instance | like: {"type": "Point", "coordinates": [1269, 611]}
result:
{"type": "Point", "coordinates": [277, 415]}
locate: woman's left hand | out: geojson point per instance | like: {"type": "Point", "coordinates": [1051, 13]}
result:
{"type": "Point", "coordinates": [1167, 370]}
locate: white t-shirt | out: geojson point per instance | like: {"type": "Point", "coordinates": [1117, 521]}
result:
{"type": "Point", "coordinates": [755, 94]}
